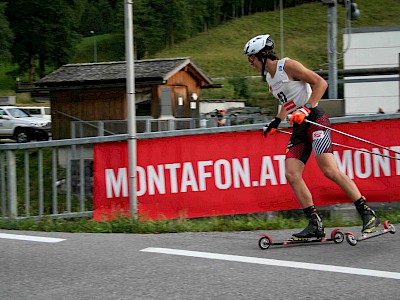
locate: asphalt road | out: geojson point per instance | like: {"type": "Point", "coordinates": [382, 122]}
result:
{"type": "Point", "coordinates": [195, 266]}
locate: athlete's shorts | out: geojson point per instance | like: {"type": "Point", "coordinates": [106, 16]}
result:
{"type": "Point", "coordinates": [307, 137]}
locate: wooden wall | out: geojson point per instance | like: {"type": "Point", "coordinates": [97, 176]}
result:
{"type": "Point", "coordinates": [110, 103]}
{"type": "Point", "coordinates": [183, 84]}
{"type": "Point", "coordinates": [87, 105]}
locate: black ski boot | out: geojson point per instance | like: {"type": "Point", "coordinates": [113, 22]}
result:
{"type": "Point", "coordinates": [368, 216]}
{"type": "Point", "coordinates": [315, 228]}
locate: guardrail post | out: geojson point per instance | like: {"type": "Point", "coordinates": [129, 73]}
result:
{"type": "Point", "coordinates": [171, 124]}
{"type": "Point", "coordinates": [12, 184]}
{"type": "Point", "coordinates": [40, 182]}
{"type": "Point", "coordinates": [73, 136]}
{"type": "Point", "coordinates": [148, 125]}
{"type": "Point", "coordinates": [54, 179]}
{"type": "Point", "coordinates": [81, 132]}
{"type": "Point", "coordinates": [101, 128]}
{"type": "Point", "coordinates": [2, 184]}
{"type": "Point", "coordinates": [26, 183]}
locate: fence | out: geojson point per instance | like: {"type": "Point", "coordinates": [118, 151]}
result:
{"type": "Point", "coordinates": [146, 125]}
{"type": "Point", "coordinates": [54, 178]}
{"type": "Point", "coordinates": [48, 178]}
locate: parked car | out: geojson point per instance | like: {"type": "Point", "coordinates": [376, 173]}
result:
{"type": "Point", "coordinates": [17, 124]}
{"type": "Point", "coordinates": [38, 111]}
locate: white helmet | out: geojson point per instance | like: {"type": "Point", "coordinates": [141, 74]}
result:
{"type": "Point", "coordinates": [258, 43]}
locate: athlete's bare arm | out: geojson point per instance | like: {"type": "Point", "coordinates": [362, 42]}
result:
{"type": "Point", "coordinates": [296, 71]}
{"type": "Point", "coordinates": [282, 113]}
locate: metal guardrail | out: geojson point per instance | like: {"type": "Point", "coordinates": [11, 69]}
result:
{"type": "Point", "coordinates": [54, 178]}
{"type": "Point", "coordinates": [147, 125]}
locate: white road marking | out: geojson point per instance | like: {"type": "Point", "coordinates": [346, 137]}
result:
{"type": "Point", "coordinates": [30, 238]}
{"type": "Point", "coordinates": [275, 262]}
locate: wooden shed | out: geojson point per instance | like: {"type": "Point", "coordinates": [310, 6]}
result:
{"type": "Point", "coordinates": [164, 88]}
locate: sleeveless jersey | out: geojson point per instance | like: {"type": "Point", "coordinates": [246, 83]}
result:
{"type": "Point", "coordinates": [291, 94]}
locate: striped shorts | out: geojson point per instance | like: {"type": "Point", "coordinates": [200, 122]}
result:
{"type": "Point", "coordinates": [307, 137]}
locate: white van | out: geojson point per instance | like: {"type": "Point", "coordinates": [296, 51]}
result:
{"type": "Point", "coordinates": [38, 111]}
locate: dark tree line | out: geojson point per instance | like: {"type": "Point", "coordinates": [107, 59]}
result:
{"type": "Point", "coordinates": [37, 34]}
{"type": "Point", "coordinates": [6, 36]}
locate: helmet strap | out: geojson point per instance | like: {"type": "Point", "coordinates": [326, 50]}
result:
{"type": "Point", "coordinates": [263, 76]}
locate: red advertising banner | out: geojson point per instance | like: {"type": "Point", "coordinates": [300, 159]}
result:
{"type": "Point", "coordinates": [239, 172]}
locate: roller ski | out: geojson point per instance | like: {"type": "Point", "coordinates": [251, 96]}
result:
{"type": "Point", "coordinates": [352, 239]}
{"type": "Point", "coordinates": [313, 233]}
{"type": "Point", "coordinates": [336, 236]}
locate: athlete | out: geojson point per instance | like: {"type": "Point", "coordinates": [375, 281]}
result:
{"type": "Point", "coordinates": [299, 90]}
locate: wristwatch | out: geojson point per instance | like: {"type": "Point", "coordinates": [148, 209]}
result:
{"type": "Point", "coordinates": [308, 105]}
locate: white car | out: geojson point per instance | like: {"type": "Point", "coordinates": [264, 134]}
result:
{"type": "Point", "coordinates": [38, 111]}
{"type": "Point", "coordinates": [17, 124]}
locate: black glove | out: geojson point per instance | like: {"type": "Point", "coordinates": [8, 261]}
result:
{"type": "Point", "coordinates": [271, 127]}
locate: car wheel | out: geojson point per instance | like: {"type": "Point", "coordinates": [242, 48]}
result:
{"type": "Point", "coordinates": [22, 136]}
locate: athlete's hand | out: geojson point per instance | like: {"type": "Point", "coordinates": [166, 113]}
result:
{"type": "Point", "coordinates": [271, 127]}
{"type": "Point", "coordinates": [299, 115]}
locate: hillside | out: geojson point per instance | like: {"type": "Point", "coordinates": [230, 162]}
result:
{"type": "Point", "coordinates": [219, 51]}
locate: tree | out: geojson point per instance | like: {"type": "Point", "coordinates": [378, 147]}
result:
{"type": "Point", "coordinates": [44, 33]}
{"type": "Point", "coordinates": [148, 28]}
{"type": "Point", "coordinates": [97, 16]}
{"type": "Point", "coordinates": [6, 36]}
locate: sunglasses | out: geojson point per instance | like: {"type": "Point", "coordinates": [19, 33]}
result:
{"type": "Point", "coordinates": [251, 58]}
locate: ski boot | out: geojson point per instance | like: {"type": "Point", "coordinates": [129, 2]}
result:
{"type": "Point", "coordinates": [368, 216]}
{"type": "Point", "coordinates": [315, 229]}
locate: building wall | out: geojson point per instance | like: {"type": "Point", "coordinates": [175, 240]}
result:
{"type": "Point", "coordinates": [372, 47]}
{"type": "Point", "coordinates": [87, 105]}
{"type": "Point", "coordinates": [110, 103]}
{"type": "Point", "coordinates": [183, 85]}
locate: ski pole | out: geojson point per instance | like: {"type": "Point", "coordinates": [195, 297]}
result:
{"type": "Point", "coordinates": [351, 136]}
{"type": "Point", "coordinates": [352, 148]}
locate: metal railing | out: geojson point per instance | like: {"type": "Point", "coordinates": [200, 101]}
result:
{"type": "Point", "coordinates": [147, 125]}
{"type": "Point", "coordinates": [55, 178]}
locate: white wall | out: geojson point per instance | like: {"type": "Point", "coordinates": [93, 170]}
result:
{"type": "Point", "coordinates": [372, 47]}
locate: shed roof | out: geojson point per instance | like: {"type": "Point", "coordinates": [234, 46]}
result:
{"type": "Point", "coordinates": [151, 70]}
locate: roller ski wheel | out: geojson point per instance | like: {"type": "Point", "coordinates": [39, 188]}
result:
{"type": "Point", "coordinates": [265, 241]}
{"type": "Point", "coordinates": [337, 236]}
{"type": "Point", "coordinates": [352, 239]}
{"type": "Point", "coordinates": [389, 227]}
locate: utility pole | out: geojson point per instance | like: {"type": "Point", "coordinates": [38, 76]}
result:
{"type": "Point", "coordinates": [94, 46]}
{"type": "Point", "coordinates": [281, 21]}
{"type": "Point", "coordinates": [332, 50]}
{"type": "Point", "coordinates": [352, 13]}
{"type": "Point", "coordinates": [130, 94]}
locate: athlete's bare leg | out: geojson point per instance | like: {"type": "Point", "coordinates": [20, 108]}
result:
{"type": "Point", "coordinates": [294, 175]}
{"type": "Point", "coordinates": [327, 164]}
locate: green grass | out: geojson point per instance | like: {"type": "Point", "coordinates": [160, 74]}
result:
{"type": "Point", "coordinates": [7, 82]}
{"type": "Point", "coordinates": [109, 48]}
{"type": "Point", "coordinates": [219, 51]}
{"type": "Point", "coordinates": [221, 224]}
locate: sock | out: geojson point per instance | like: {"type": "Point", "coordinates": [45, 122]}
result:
{"type": "Point", "coordinates": [310, 210]}
{"type": "Point", "coordinates": [360, 201]}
